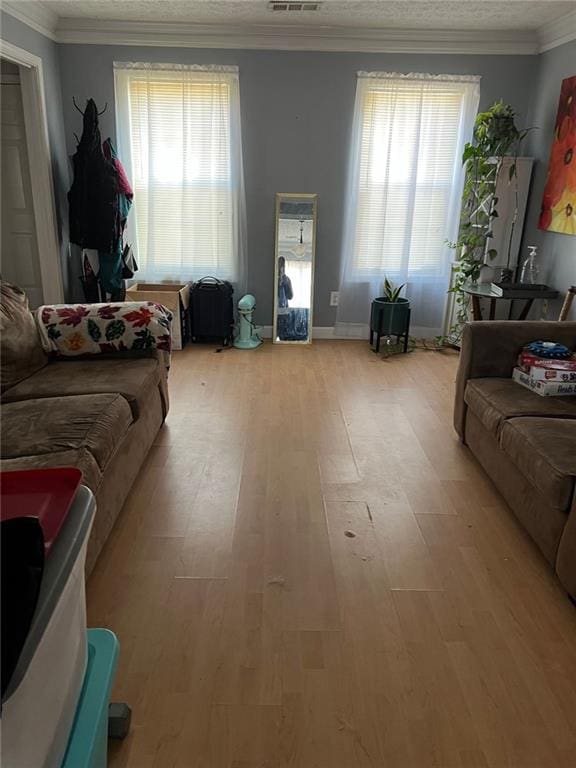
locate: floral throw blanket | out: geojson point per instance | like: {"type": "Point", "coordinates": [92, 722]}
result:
{"type": "Point", "coordinates": [92, 329]}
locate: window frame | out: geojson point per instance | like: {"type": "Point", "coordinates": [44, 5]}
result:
{"type": "Point", "coordinates": [190, 258]}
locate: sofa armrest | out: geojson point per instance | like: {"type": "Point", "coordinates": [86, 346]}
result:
{"type": "Point", "coordinates": [490, 348]}
{"type": "Point", "coordinates": [128, 328]}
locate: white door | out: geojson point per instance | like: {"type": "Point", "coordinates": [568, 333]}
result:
{"type": "Point", "coordinates": [19, 258]}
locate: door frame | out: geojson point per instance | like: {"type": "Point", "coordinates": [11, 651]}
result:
{"type": "Point", "coordinates": [40, 161]}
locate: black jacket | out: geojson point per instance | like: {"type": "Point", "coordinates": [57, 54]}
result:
{"type": "Point", "coordinates": [93, 197]}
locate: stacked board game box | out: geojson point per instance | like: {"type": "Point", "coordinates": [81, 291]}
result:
{"type": "Point", "coordinates": [546, 376]}
{"type": "Point", "coordinates": [544, 388]}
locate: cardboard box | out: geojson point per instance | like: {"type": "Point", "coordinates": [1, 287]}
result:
{"type": "Point", "coordinates": [173, 296]}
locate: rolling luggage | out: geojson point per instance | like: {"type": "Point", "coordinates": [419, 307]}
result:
{"type": "Point", "coordinates": [212, 310]}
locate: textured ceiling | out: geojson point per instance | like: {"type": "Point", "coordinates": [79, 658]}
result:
{"type": "Point", "coordinates": [399, 14]}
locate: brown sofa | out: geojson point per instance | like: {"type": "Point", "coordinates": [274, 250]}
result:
{"type": "Point", "coordinates": [525, 442]}
{"type": "Point", "coordinates": [100, 414]}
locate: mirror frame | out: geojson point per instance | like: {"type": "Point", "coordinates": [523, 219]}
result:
{"type": "Point", "coordinates": [313, 198]}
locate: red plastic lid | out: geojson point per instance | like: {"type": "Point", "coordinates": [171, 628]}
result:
{"type": "Point", "coordinates": [42, 493]}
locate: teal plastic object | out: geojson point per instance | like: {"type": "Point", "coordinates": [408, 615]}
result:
{"type": "Point", "coordinates": [88, 745]}
{"type": "Point", "coordinates": [247, 303]}
{"type": "Point", "coordinates": [247, 337]}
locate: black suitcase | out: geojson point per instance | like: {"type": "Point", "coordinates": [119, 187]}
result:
{"type": "Point", "coordinates": [212, 310]}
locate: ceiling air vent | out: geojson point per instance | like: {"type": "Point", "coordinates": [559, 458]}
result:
{"type": "Point", "coordinates": [307, 5]}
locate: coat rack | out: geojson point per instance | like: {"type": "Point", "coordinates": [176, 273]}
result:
{"type": "Point", "coordinates": [82, 110]}
{"type": "Point", "coordinates": [82, 113]}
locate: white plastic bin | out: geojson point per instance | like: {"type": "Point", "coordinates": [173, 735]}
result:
{"type": "Point", "coordinates": [40, 703]}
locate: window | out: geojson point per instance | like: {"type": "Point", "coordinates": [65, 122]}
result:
{"type": "Point", "coordinates": [179, 135]}
{"type": "Point", "coordinates": [405, 186]}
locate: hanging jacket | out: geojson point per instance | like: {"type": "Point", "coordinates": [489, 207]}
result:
{"type": "Point", "coordinates": [111, 262]}
{"type": "Point", "coordinates": [123, 189]}
{"type": "Point", "coordinates": [93, 197]}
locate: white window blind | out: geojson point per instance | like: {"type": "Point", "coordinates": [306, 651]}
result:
{"type": "Point", "coordinates": [179, 136]}
{"type": "Point", "coordinates": [404, 189]}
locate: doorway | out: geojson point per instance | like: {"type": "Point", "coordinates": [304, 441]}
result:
{"type": "Point", "coordinates": [19, 257]}
{"type": "Point", "coordinates": [29, 244]}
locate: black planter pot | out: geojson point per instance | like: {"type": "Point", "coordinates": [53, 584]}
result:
{"type": "Point", "coordinates": [390, 318]}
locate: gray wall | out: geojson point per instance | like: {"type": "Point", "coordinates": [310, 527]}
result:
{"type": "Point", "coordinates": [296, 120]}
{"type": "Point", "coordinates": [557, 252]}
{"type": "Point", "coordinates": [13, 31]}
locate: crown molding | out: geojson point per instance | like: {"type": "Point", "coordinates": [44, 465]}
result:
{"type": "Point", "coordinates": [292, 38]}
{"type": "Point", "coordinates": [557, 32]}
{"type": "Point", "coordinates": [34, 15]}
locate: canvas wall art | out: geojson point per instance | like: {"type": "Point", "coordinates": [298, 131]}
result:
{"type": "Point", "coordinates": [558, 212]}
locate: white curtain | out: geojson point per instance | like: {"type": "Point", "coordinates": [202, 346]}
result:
{"type": "Point", "coordinates": [179, 139]}
{"type": "Point", "coordinates": [404, 189]}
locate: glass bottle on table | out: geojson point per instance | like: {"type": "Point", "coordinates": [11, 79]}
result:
{"type": "Point", "coordinates": [529, 274]}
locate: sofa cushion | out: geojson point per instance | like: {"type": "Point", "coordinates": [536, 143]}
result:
{"type": "Point", "coordinates": [54, 424]}
{"type": "Point", "coordinates": [495, 400]}
{"type": "Point", "coordinates": [131, 378]}
{"type": "Point", "coordinates": [21, 352]}
{"type": "Point", "coordinates": [544, 450]}
{"type": "Point", "coordinates": [80, 458]}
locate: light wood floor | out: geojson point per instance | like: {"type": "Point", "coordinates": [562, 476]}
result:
{"type": "Point", "coordinates": [312, 572]}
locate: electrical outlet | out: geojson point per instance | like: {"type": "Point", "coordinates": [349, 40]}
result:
{"type": "Point", "coordinates": [334, 298]}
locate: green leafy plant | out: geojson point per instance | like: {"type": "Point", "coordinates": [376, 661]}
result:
{"type": "Point", "coordinates": [496, 136]}
{"type": "Point", "coordinates": [392, 292]}
{"type": "Point", "coordinates": [495, 131]}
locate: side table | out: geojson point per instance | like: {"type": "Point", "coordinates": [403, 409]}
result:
{"type": "Point", "coordinates": [485, 291]}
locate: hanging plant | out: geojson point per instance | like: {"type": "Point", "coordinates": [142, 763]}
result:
{"type": "Point", "coordinates": [495, 137]}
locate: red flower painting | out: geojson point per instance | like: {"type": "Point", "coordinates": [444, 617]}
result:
{"type": "Point", "coordinates": [558, 212]}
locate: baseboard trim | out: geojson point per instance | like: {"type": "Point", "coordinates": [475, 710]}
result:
{"type": "Point", "coordinates": [353, 332]}
{"type": "Point", "coordinates": [318, 332]}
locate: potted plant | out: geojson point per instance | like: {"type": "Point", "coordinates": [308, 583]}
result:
{"type": "Point", "coordinates": [390, 315]}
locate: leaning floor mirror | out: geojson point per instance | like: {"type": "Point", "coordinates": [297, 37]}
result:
{"type": "Point", "coordinates": [294, 268]}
